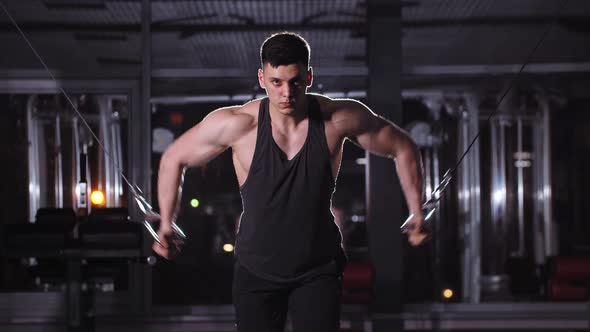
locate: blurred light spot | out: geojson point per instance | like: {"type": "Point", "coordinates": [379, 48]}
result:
{"type": "Point", "coordinates": [498, 196]}
{"type": "Point", "coordinates": [195, 202]}
{"type": "Point", "coordinates": [228, 247]}
{"type": "Point", "coordinates": [447, 293]}
{"type": "Point", "coordinates": [523, 163]}
{"type": "Point", "coordinates": [97, 197]}
{"type": "Point", "coordinates": [176, 119]}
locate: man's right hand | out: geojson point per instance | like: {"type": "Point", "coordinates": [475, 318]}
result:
{"type": "Point", "coordinates": [170, 245]}
{"type": "Point", "coordinates": [416, 234]}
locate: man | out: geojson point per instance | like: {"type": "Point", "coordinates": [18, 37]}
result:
{"type": "Point", "coordinates": [286, 152]}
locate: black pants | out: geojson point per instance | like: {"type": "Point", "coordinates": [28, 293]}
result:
{"type": "Point", "coordinates": [313, 302]}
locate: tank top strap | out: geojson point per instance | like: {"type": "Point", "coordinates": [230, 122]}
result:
{"type": "Point", "coordinates": [317, 125]}
{"type": "Point", "coordinates": [314, 113]}
{"type": "Point", "coordinates": [263, 116]}
{"type": "Point", "coordinates": [261, 139]}
{"type": "Point", "coordinates": [264, 132]}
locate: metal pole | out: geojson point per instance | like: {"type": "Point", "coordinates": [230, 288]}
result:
{"type": "Point", "coordinates": [474, 215]}
{"type": "Point", "coordinates": [146, 92]}
{"type": "Point", "coordinates": [520, 183]}
{"type": "Point", "coordinates": [551, 236]}
{"type": "Point", "coordinates": [75, 159]}
{"type": "Point", "coordinates": [142, 289]}
{"type": "Point", "coordinates": [384, 196]}
{"type": "Point", "coordinates": [538, 228]}
{"type": "Point", "coordinates": [106, 167]}
{"type": "Point", "coordinates": [117, 155]}
{"type": "Point", "coordinates": [437, 228]}
{"type": "Point", "coordinates": [58, 185]}
{"type": "Point", "coordinates": [34, 182]}
{"type": "Point", "coordinates": [464, 198]}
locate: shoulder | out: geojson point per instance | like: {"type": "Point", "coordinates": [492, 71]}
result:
{"type": "Point", "coordinates": [228, 125]}
{"type": "Point", "coordinates": [338, 107]}
{"type": "Point", "coordinates": [343, 113]}
{"type": "Point", "coordinates": [239, 117]}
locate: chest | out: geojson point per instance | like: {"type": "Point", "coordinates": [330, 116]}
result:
{"type": "Point", "coordinates": [289, 145]}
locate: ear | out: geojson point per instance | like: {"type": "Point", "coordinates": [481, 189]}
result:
{"type": "Point", "coordinates": [261, 78]}
{"type": "Point", "coordinates": [309, 77]}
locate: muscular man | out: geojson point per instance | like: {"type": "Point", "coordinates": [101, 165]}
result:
{"type": "Point", "coordinates": [286, 152]}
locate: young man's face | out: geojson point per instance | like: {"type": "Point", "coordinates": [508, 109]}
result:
{"type": "Point", "coordinates": [285, 85]}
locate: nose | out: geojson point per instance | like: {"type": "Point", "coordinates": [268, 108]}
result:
{"type": "Point", "coordinates": [287, 91]}
{"type": "Point", "coordinates": [290, 90]}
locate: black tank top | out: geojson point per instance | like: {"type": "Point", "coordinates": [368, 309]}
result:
{"type": "Point", "coordinates": [287, 229]}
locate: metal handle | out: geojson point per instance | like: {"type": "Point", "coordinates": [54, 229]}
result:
{"type": "Point", "coordinates": [430, 206]}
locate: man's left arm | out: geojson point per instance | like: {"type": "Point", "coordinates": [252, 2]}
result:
{"type": "Point", "coordinates": [382, 137]}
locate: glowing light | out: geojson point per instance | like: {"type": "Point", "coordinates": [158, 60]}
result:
{"type": "Point", "coordinates": [447, 293]}
{"type": "Point", "coordinates": [195, 202]}
{"type": "Point", "coordinates": [97, 197]}
{"type": "Point", "coordinates": [498, 196]}
{"type": "Point", "coordinates": [523, 163]}
{"type": "Point", "coordinates": [228, 247]}
{"type": "Point", "coordinates": [357, 218]}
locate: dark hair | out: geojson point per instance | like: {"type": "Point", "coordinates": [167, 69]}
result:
{"type": "Point", "coordinates": [284, 48]}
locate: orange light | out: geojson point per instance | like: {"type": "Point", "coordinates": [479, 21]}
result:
{"type": "Point", "coordinates": [97, 197]}
{"type": "Point", "coordinates": [447, 293]}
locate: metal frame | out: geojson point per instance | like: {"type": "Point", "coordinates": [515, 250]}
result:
{"type": "Point", "coordinates": [108, 178]}
{"type": "Point", "coordinates": [139, 129]}
{"type": "Point", "coordinates": [138, 147]}
{"type": "Point", "coordinates": [139, 162]}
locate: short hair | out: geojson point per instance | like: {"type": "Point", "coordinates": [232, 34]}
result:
{"type": "Point", "coordinates": [284, 48]}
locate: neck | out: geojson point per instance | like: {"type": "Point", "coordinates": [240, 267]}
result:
{"type": "Point", "coordinates": [289, 121]}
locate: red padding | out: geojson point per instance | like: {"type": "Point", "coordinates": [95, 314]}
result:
{"type": "Point", "coordinates": [561, 291]}
{"type": "Point", "coordinates": [571, 268]}
{"type": "Point", "coordinates": [358, 275]}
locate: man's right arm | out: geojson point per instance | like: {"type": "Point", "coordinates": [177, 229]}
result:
{"type": "Point", "coordinates": [197, 146]}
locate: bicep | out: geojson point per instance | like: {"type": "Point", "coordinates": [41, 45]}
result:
{"type": "Point", "coordinates": [194, 148]}
{"type": "Point", "coordinates": [377, 134]}
{"type": "Point", "coordinates": [201, 143]}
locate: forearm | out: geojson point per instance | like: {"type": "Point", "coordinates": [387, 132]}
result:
{"type": "Point", "coordinates": [409, 169]}
{"type": "Point", "coordinates": [170, 178]}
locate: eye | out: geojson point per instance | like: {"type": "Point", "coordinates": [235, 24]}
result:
{"type": "Point", "coordinates": [297, 83]}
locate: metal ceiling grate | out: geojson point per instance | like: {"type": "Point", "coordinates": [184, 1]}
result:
{"type": "Point", "coordinates": [461, 9]}
{"type": "Point", "coordinates": [72, 12]}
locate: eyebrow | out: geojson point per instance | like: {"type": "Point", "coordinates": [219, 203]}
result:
{"type": "Point", "coordinates": [297, 78]}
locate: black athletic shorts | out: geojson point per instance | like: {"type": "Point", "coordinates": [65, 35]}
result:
{"type": "Point", "coordinates": [313, 302]}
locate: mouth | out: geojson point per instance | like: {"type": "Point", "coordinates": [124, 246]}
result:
{"type": "Point", "coordinates": [287, 104]}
